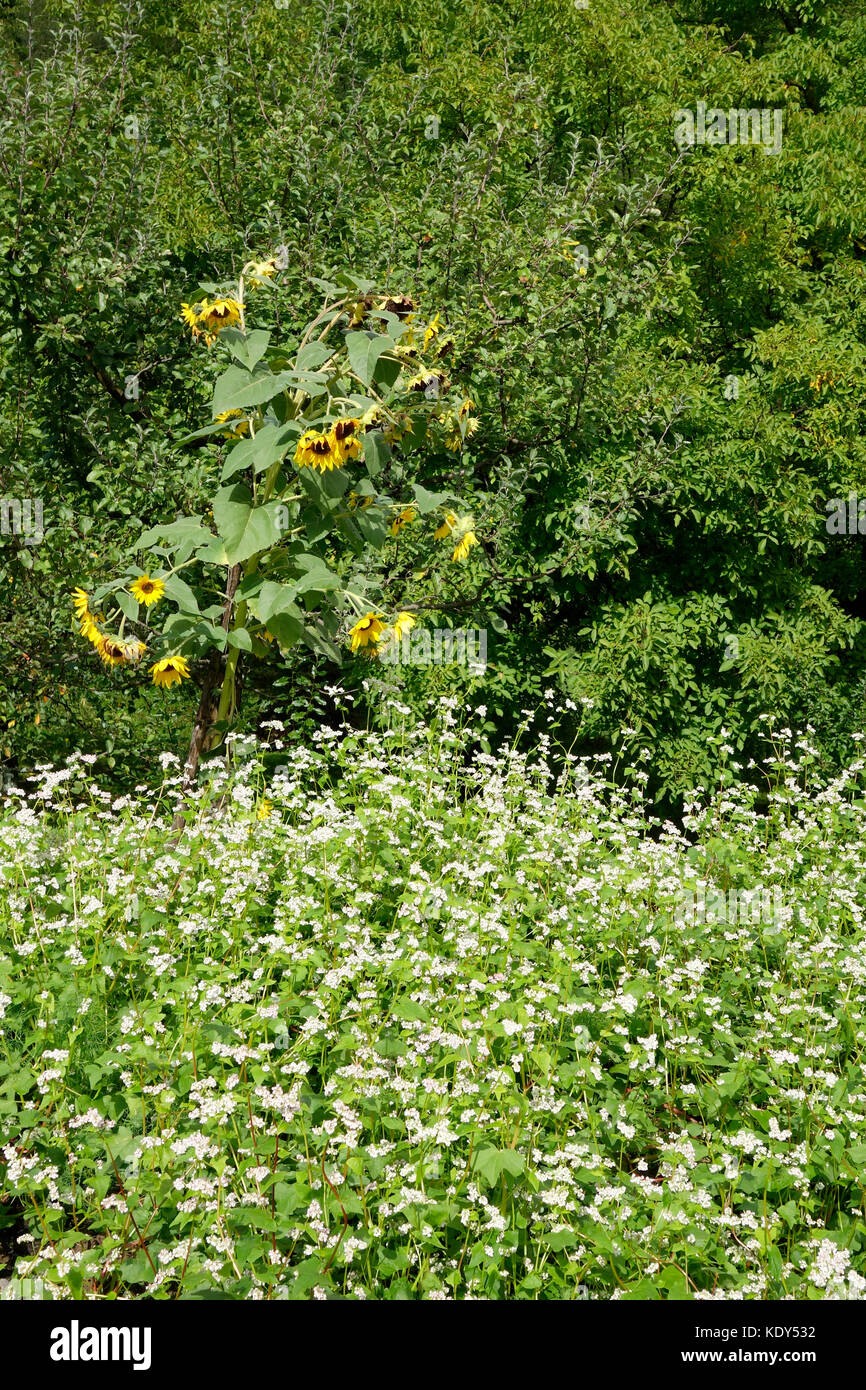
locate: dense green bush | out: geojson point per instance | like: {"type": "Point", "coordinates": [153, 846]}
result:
{"type": "Point", "coordinates": [659, 435]}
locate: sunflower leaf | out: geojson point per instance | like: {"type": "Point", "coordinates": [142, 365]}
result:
{"type": "Point", "coordinates": [265, 448]}
{"type": "Point", "coordinates": [245, 529]}
{"type": "Point", "coordinates": [364, 350]}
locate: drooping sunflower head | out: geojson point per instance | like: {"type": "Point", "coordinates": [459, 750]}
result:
{"type": "Point", "coordinates": [431, 331]}
{"type": "Point", "coordinates": [133, 650]}
{"type": "Point", "coordinates": [402, 519]}
{"type": "Point", "coordinates": [433, 384]}
{"type": "Point", "coordinates": [169, 670]}
{"type": "Point", "coordinates": [366, 631]}
{"type": "Point", "coordinates": [81, 603]}
{"type": "Point", "coordinates": [317, 450]}
{"type": "Point", "coordinates": [447, 526]}
{"type": "Point", "coordinates": [464, 545]}
{"type": "Point", "coordinates": [239, 425]}
{"type": "Point", "coordinates": [146, 590]}
{"type": "Point", "coordinates": [220, 313]}
{"type": "Point", "coordinates": [111, 650]}
{"type": "Point", "coordinates": [344, 436]}
{"type": "Point", "coordinates": [356, 501]}
{"type": "Point", "coordinates": [401, 306]}
{"type": "Point", "coordinates": [258, 272]}
{"type": "Point", "coordinates": [404, 623]}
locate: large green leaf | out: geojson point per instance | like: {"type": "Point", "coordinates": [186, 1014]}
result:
{"type": "Point", "coordinates": [181, 593]}
{"type": "Point", "coordinates": [248, 348]}
{"type": "Point", "coordinates": [364, 351]}
{"type": "Point", "coordinates": [238, 389]}
{"type": "Point", "coordinates": [186, 529]}
{"type": "Point", "coordinates": [244, 528]}
{"type": "Point", "coordinates": [428, 501]}
{"type": "Point", "coordinates": [377, 452]}
{"type": "Point", "coordinates": [260, 452]}
{"type": "Point", "coordinates": [276, 598]}
{"type": "Point", "coordinates": [316, 574]}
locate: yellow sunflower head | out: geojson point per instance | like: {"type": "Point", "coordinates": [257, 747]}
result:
{"type": "Point", "coordinates": [258, 272]}
{"type": "Point", "coordinates": [431, 331]}
{"type": "Point", "coordinates": [403, 519]}
{"type": "Point", "coordinates": [345, 441]}
{"type": "Point", "coordinates": [446, 528]}
{"type": "Point", "coordinates": [146, 590]}
{"type": "Point", "coordinates": [366, 631]}
{"type": "Point", "coordinates": [317, 450]}
{"type": "Point", "coordinates": [111, 650]}
{"type": "Point", "coordinates": [169, 670]}
{"type": "Point", "coordinates": [464, 545]}
{"type": "Point", "coordinates": [404, 623]}
{"type": "Point", "coordinates": [239, 425]}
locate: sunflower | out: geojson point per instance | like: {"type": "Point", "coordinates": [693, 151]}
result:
{"type": "Point", "coordinates": [169, 670]}
{"type": "Point", "coordinates": [395, 429]}
{"type": "Point", "coordinates": [404, 623]}
{"type": "Point", "coordinates": [133, 650]}
{"type": "Point", "coordinates": [260, 271]}
{"type": "Point", "coordinates": [402, 306]}
{"type": "Point", "coordinates": [431, 383]}
{"type": "Point", "coordinates": [146, 590]}
{"type": "Point", "coordinates": [366, 631]}
{"type": "Point", "coordinates": [81, 603]}
{"type": "Point", "coordinates": [189, 314]}
{"type": "Point", "coordinates": [431, 331]}
{"type": "Point", "coordinates": [90, 630]}
{"type": "Point", "coordinates": [446, 528]}
{"type": "Point", "coordinates": [345, 441]}
{"type": "Point", "coordinates": [406, 516]}
{"type": "Point", "coordinates": [239, 427]}
{"type": "Point", "coordinates": [317, 450]}
{"type": "Point", "coordinates": [217, 314]}
{"type": "Point", "coordinates": [460, 428]}
{"type": "Point", "coordinates": [464, 545]}
{"type": "Point", "coordinates": [111, 650]}
{"type": "Point", "coordinates": [363, 502]}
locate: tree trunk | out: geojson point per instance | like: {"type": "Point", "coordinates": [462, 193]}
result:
{"type": "Point", "coordinates": [207, 705]}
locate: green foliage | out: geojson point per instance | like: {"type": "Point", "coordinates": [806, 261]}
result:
{"type": "Point", "coordinates": [402, 1021]}
{"type": "Point", "coordinates": [515, 167]}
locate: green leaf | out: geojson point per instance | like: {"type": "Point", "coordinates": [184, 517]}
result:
{"type": "Point", "coordinates": [127, 604]}
{"type": "Point", "coordinates": [428, 501]}
{"type": "Point", "coordinates": [377, 452]}
{"type": "Point", "coordinates": [245, 529]}
{"type": "Point", "coordinates": [312, 355]}
{"type": "Point", "coordinates": [238, 389]}
{"type": "Point", "coordinates": [269, 445]}
{"type": "Point", "coordinates": [492, 1163]}
{"type": "Point", "coordinates": [248, 348]}
{"type": "Point", "coordinates": [364, 351]}
{"type": "Point", "coordinates": [186, 529]}
{"type": "Point", "coordinates": [181, 594]}
{"type": "Point", "coordinates": [287, 629]}
{"type": "Point", "coordinates": [276, 598]}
